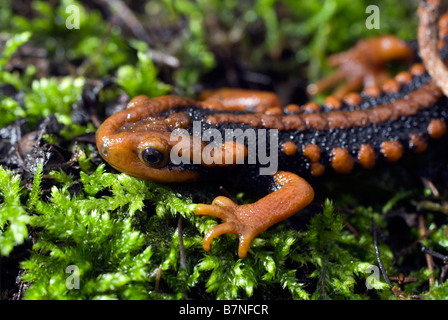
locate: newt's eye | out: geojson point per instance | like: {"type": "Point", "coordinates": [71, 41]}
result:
{"type": "Point", "coordinates": [152, 157]}
{"type": "Point", "coordinates": [155, 154]}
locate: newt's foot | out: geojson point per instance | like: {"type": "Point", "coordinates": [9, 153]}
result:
{"type": "Point", "coordinates": [248, 220]}
{"type": "Point", "coordinates": [237, 220]}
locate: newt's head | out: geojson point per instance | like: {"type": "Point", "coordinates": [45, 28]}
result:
{"type": "Point", "coordinates": [137, 142]}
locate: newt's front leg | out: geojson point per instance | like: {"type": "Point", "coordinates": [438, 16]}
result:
{"type": "Point", "coordinates": [247, 221]}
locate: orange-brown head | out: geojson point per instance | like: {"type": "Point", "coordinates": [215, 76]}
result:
{"type": "Point", "coordinates": [137, 142]}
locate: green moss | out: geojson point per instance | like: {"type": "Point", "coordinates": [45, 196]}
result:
{"type": "Point", "coordinates": [438, 292]}
{"type": "Point", "coordinates": [120, 235]}
{"type": "Point", "coordinates": [13, 216]}
{"type": "Point", "coordinates": [100, 49]}
{"type": "Point", "coordinates": [11, 110]}
{"type": "Point", "coordinates": [107, 233]}
{"type": "Point", "coordinates": [14, 41]}
{"type": "Point", "coordinates": [141, 79]}
{"type": "Point", "coordinates": [100, 236]}
{"type": "Point", "coordinates": [12, 45]}
{"type": "Point", "coordinates": [53, 96]}
{"type": "Point", "coordinates": [339, 265]}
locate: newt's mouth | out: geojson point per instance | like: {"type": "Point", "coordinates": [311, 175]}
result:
{"type": "Point", "coordinates": [163, 175]}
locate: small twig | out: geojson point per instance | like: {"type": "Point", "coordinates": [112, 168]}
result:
{"type": "Point", "coordinates": [19, 292]}
{"type": "Point", "coordinates": [87, 63]}
{"type": "Point", "coordinates": [183, 259]}
{"type": "Point", "coordinates": [163, 58]}
{"type": "Point", "coordinates": [443, 273]}
{"type": "Point", "coordinates": [429, 259]}
{"type": "Point", "coordinates": [428, 184]}
{"type": "Point", "coordinates": [440, 256]}
{"type": "Point", "coordinates": [378, 256]}
{"type": "Point", "coordinates": [428, 43]}
{"type": "Point", "coordinates": [225, 192]}
{"type": "Point", "coordinates": [345, 209]}
{"type": "Point", "coordinates": [22, 286]}
{"type": "Point", "coordinates": [322, 289]}
{"type": "Point", "coordinates": [158, 277]}
{"type": "Point", "coordinates": [128, 18]}
{"type": "Point", "coordinates": [121, 10]}
{"type": "Point", "coordinates": [435, 254]}
{"type": "Point", "coordinates": [413, 244]}
{"type": "Point", "coordinates": [432, 206]}
{"type": "Point", "coordinates": [352, 229]}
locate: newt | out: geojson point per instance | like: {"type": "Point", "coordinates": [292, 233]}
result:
{"type": "Point", "coordinates": [373, 118]}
